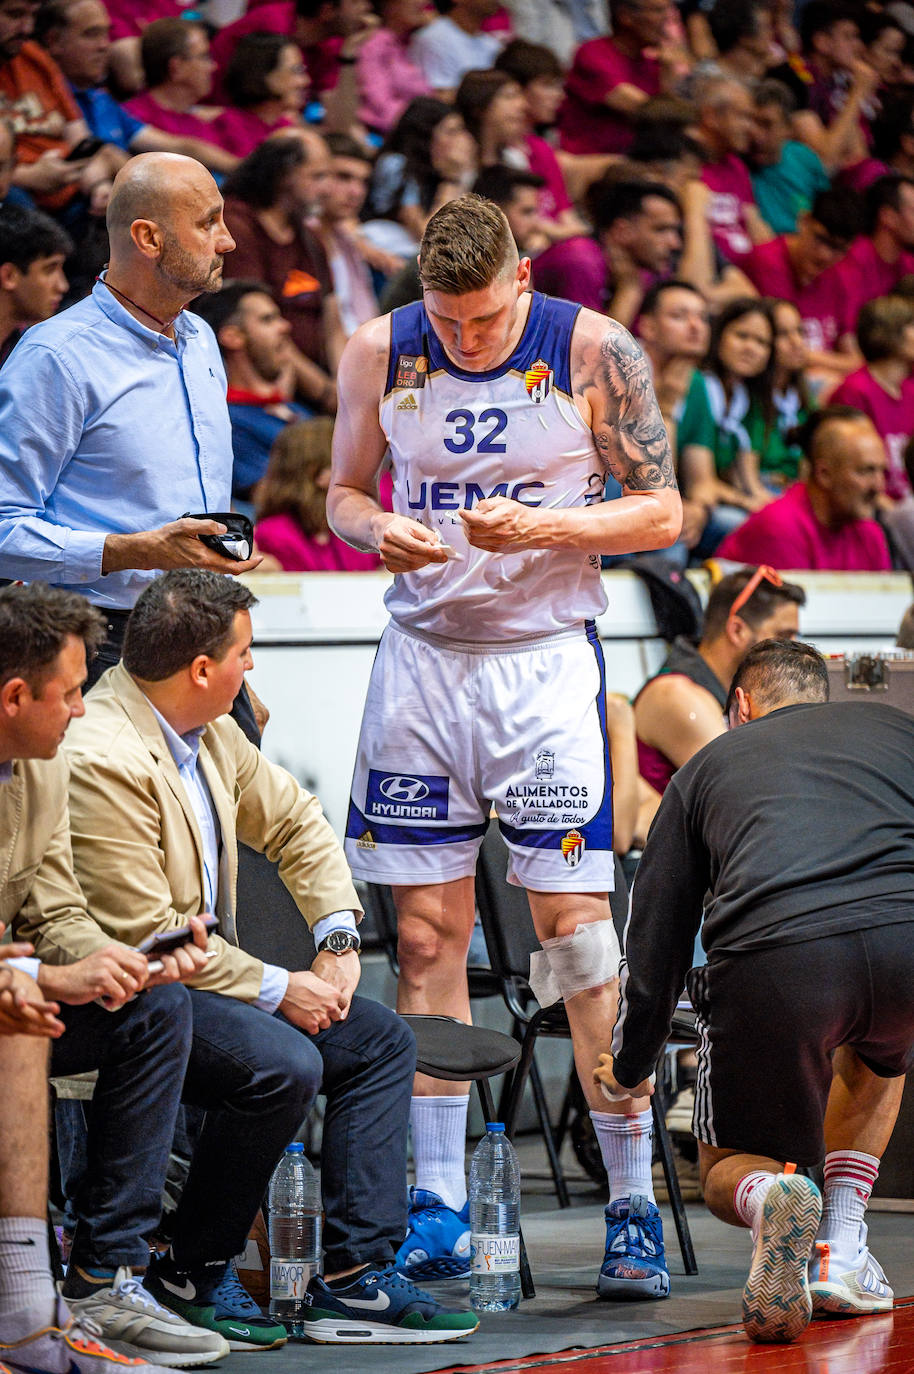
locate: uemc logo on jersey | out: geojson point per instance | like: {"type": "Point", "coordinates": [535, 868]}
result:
{"type": "Point", "coordinates": [464, 495]}
{"type": "Point", "coordinates": [409, 796]}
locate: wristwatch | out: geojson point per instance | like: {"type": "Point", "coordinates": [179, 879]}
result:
{"type": "Point", "coordinates": [340, 942]}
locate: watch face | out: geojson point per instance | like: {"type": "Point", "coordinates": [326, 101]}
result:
{"type": "Point", "coordinates": [339, 941]}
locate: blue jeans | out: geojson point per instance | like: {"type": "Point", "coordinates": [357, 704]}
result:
{"type": "Point", "coordinates": [256, 1077]}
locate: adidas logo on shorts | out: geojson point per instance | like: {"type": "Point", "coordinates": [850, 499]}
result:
{"type": "Point", "coordinates": [365, 841]}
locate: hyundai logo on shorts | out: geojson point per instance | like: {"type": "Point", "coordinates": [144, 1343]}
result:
{"type": "Point", "coordinates": [404, 789]}
{"type": "Point", "coordinates": [406, 796]}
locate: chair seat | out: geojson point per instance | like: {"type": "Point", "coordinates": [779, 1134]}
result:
{"type": "Point", "coordinates": [447, 1048]}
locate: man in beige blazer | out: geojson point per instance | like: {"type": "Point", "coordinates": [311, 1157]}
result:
{"type": "Point", "coordinates": [163, 786]}
{"type": "Point", "coordinates": [130, 1040]}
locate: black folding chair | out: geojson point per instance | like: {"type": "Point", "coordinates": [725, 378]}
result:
{"type": "Point", "coordinates": [510, 937]}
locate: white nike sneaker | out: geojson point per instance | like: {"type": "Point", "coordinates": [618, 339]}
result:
{"type": "Point", "coordinates": [133, 1323]}
{"type": "Point", "coordinates": [847, 1286]}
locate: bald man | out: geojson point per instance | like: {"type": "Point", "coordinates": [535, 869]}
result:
{"type": "Point", "coordinates": [113, 417]}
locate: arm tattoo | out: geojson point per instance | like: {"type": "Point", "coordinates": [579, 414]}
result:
{"type": "Point", "coordinates": [628, 428]}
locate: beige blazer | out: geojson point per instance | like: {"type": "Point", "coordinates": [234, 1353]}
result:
{"type": "Point", "coordinates": [37, 881]}
{"type": "Point", "coordinates": [137, 849]}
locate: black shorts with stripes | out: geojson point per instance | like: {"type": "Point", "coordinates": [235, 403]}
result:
{"type": "Point", "coordinates": [770, 1020]}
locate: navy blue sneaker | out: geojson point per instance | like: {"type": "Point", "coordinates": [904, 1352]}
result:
{"type": "Point", "coordinates": [437, 1244]}
{"type": "Point", "coordinates": [213, 1297]}
{"type": "Point", "coordinates": [634, 1265]}
{"type": "Point", "coordinates": [380, 1307]}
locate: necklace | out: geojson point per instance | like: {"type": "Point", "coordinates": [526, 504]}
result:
{"type": "Point", "coordinates": [163, 324]}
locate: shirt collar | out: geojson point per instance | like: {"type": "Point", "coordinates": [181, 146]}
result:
{"type": "Point", "coordinates": [183, 748]}
{"type": "Point", "coordinates": [109, 305]}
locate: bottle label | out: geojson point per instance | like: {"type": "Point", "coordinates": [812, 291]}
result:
{"type": "Point", "coordinates": [491, 1254]}
{"type": "Point", "coordinates": [289, 1279]}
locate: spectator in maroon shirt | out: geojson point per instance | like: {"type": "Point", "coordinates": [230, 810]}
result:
{"type": "Point", "coordinates": [884, 252]}
{"type": "Point", "coordinates": [612, 77]}
{"type": "Point", "coordinates": [825, 524]}
{"type": "Point", "coordinates": [726, 114]}
{"type": "Point", "coordinates": [835, 84]}
{"type": "Point", "coordinates": [638, 225]}
{"type": "Point", "coordinates": [178, 72]}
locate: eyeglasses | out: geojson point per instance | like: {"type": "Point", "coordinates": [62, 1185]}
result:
{"type": "Point", "coordinates": [763, 573]}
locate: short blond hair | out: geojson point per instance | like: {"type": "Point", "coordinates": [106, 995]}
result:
{"type": "Point", "coordinates": [466, 246]}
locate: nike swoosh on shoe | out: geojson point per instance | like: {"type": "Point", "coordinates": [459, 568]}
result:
{"type": "Point", "coordinates": [379, 1303]}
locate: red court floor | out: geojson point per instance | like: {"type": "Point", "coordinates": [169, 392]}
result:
{"type": "Point", "coordinates": [866, 1345]}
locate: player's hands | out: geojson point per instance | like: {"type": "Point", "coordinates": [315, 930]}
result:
{"type": "Point", "coordinates": [111, 975]}
{"type": "Point", "coordinates": [184, 962]}
{"type": "Point", "coordinates": [405, 545]}
{"type": "Point", "coordinates": [501, 525]}
{"type": "Point", "coordinates": [311, 1004]}
{"type": "Point", "coordinates": [341, 971]}
{"type": "Point", "coordinates": [605, 1078]}
{"type": "Point", "coordinates": [23, 1009]}
{"type": "Point", "coordinates": [175, 545]}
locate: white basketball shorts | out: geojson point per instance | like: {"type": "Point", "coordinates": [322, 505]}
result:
{"type": "Point", "coordinates": [451, 730]}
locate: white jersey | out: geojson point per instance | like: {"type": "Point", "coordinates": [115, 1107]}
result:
{"type": "Point", "coordinates": [457, 437]}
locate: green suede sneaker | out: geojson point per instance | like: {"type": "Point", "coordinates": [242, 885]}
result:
{"type": "Point", "coordinates": [213, 1297]}
{"type": "Point", "coordinates": [380, 1308]}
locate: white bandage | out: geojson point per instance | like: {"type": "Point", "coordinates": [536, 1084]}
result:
{"type": "Point", "coordinates": [570, 964]}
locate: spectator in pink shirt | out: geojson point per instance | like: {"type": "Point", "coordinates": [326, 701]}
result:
{"type": "Point", "coordinates": [129, 20]}
{"type": "Point", "coordinates": [387, 77]}
{"type": "Point", "coordinates": [612, 77]}
{"type": "Point", "coordinates": [825, 524]}
{"type": "Point", "coordinates": [178, 73]}
{"type": "Point", "coordinates": [803, 268]}
{"type": "Point", "coordinates": [291, 501]}
{"type": "Point", "coordinates": [884, 389]}
{"type": "Point", "coordinates": [884, 252]}
{"type": "Point", "coordinates": [319, 27]}
{"type": "Point", "coordinates": [638, 225]}
{"type": "Point", "coordinates": [267, 84]}
{"type": "Point", "coordinates": [726, 114]}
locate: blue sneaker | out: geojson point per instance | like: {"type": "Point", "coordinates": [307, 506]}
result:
{"type": "Point", "coordinates": [437, 1244]}
{"type": "Point", "coordinates": [380, 1308]}
{"type": "Point", "coordinates": [634, 1265]}
{"type": "Point", "coordinates": [213, 1297]}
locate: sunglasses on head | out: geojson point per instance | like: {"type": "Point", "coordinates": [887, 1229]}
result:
{"type": "Point", "coordinates": [763, 573]}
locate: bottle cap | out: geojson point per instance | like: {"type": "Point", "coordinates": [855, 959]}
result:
{"type": "Point", "coordinates": [493, 1127]}
{"type": "Point", "coordinates": [296, 1148]}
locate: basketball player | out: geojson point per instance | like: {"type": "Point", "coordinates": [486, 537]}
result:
{"type": "Point", "coordinates": [504, 412]}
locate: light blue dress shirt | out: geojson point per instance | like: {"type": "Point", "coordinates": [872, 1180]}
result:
{"type": "Point", "coordinates": [106, 427]}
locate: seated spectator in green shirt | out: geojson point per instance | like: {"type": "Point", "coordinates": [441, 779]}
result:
{"type": "Point", "coordinates": [778, 458]}
{"type": "Point", "coordinates": [786, 175]}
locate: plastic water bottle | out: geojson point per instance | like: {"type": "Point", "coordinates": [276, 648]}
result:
{"type": "Point", "coordinates": [295, 1236]}
{"type": "Point", "coordinates": [494, 1223]}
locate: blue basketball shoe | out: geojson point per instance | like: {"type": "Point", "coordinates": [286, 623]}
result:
{"type": "Point", "coordinates": [437, 1244]}
{"type": "Point", "coordinates": [634, 1265]}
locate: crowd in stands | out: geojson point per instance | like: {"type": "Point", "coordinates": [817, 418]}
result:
{"type": "Point", "coordinates": [733, 181]}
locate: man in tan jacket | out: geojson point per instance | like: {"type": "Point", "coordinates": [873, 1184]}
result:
{"type": "Point", "coordinates": [89, 1010]}
{"type": "Point", "coordinates": [163, 786]}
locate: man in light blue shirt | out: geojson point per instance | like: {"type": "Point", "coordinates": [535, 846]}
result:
{"type": "Point", "coordinates": [113, 418]}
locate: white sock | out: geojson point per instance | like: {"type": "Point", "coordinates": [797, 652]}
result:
{"type": "Point", "coordinates": [438, 1126]}
{"type": "Point", "coordinates": [849, 1179]}
{"type": "Point", "coordinates": [627, 1146]}
{"type": "Point", "coordinates": [26, 1287]}
{"type": "Point", "coordinates": [749, 1198]}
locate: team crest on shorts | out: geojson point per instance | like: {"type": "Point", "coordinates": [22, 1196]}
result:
{"type": "Point", "coordinates": [573, 846]}
{"type": "Point", "coordinates": [538, 380]}
{"type": "Point", "coordinates": [544, 763]}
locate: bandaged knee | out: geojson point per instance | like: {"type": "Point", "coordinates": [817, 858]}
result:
{"type": "Point", "coordinates": [569, 964]}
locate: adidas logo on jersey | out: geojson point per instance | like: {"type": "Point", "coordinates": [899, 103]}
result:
{"type": "Point", "coordinates": [407, 402]}
{"type": "Point", "coordinates": [365, 841]}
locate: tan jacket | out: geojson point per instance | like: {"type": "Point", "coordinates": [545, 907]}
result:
{"type": "Point", "coordinates": [37, 882]}
{"type": "Point", "coordinates": [137, 849]}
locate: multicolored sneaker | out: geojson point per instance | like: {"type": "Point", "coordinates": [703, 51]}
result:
{"type": "Point", "coordinates": [776, 1300]}
{"type": "Point", "coordinates": [134, 1324]}
{"type": "Point", "coordinates": [380, 1307]}
{"type": "Point", "coordinates": [71, 1346]}
{"type": "Point", "coordinates": [437, 1244]}
{"type": "Point", "coordinates": [634, 1265]}
{"type": "Point", "coordinates": [214, 1298]}
{"type": "Point", "coordinates": [842, 1286]}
